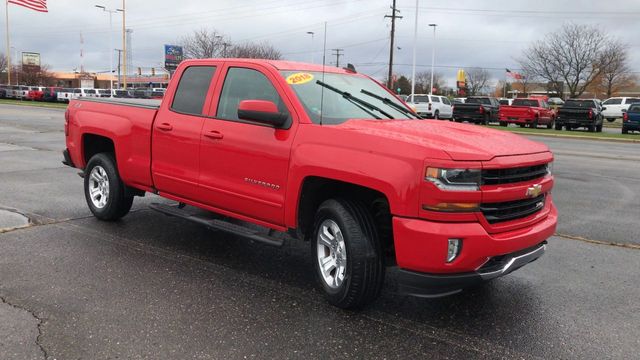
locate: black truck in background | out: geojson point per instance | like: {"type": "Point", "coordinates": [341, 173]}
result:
{"type": "Point", "coordinates": [577, 113]}
{"type": "Point", "coordinates": [477, 109]}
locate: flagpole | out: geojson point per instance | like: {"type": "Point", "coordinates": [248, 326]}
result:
{"type": "Point", "coordinates": [8, 46]}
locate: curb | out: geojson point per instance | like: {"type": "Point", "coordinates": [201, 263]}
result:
{"type": "Point", "coordinates": [576, 137]}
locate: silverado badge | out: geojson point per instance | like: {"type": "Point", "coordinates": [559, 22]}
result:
{"type": "Point", "coordinates": [534, 191]}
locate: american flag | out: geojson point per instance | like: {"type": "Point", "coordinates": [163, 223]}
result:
{"type": "Point", "coordinates": [37, 5]}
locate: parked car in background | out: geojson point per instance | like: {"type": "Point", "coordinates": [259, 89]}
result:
{"type": "Point", "coordinates": [50, 93]}
{"type": "Point", "coordinates": [123, 94]}
{"type": "Point", "coordinates": [577, 113]}
{"type": "Point", "coordinates": [616, 105]}
{"type": "Point", "coordinates": [431, 106]}
{"type": "Point", "coordinates": [555, 102]}
{"type": "Point", "coordinates": [65, 95]}
{"type": "Point", "coordinates": [22, 92]}
{"type": "Point", "coordinates": [103, 93]}
{"type": "Point", "coordinates": [505, 101]}
{"type": "Point", "coordinates": [460, 100]}
{"type": "Point", "coordinates": [477, 109]}
{"type": "Point", "coordinates": [3, 91]}
{"type": "Point", "coordinates": [527, 112]}
{"type": "Point", "coordinates": [35, 93]}
{"type": "Point", "coordinates": [631, 119]}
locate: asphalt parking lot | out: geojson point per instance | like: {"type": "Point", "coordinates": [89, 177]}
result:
{"type": "Point", "coordinates": [155, 287]}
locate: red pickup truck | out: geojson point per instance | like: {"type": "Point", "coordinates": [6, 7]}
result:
{"type": "Point", "coordinates": [531, 112]}
{"type": "Point", "coordinates": [275, 150]}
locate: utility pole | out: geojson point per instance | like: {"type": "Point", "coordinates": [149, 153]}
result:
{"type": "Point", "coordinates": [433, 56]}
{"type": "Point", "coordinates": [337, 54]}
{"type": "Point", "coordinates": [124, 42]}
{"type": "Point", "coordinates": [393, 17]}
{"type": "Point", "coordinates": [312, 35]}
{"type": "Point", "coordinates": [119, 62]}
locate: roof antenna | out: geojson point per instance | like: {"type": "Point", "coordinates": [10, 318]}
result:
{"type": "Point", "coordinates": [324, 63]}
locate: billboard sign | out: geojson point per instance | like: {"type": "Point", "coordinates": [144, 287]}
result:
{"type": "Point", "coordinates": [173, 56]}
{"type": "Point", "coordinates": [31, 61]}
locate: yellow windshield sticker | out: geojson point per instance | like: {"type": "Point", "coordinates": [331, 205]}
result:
{"type": "Point", "coordinates": [299, 78]}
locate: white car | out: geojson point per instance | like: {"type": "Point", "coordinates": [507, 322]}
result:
{"type": "Point", "coordinates": [64, 95]}
{"type": "Point", "coordinates": [614, 107]}
{"type": "Point", "coordinates": [431, 106]}
{"type": "Point", "coordinates": [21, 92]}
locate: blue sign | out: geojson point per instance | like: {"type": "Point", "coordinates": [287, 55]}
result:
{"type": "Point", "coordinates": [173, 56]}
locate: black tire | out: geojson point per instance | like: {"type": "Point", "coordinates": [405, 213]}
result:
{"type": "Point", "coordinates": [599, 128]}
{"type": "Point", "coordinates": [503, 123]}
{"type": "Point", "coordinates": [522, 125]}
{"type": "Point", "coordinates": [551, 123]}
{"type": "Point", "coordinates": [591, 128]}
{"type": "Point", "coordinates": [436, 115]}
{"type": "Point", "coordinates": [625, 131]}
{"type": "Point", "coordinates": [611, 119]}
{"type": "Point", "coordinates": [486, 119]}
{"type": "Point", "coordinates": [117, 203]}
{"type": "Point", "coordinates": [364, 271]}
{"type": "Point", "coordinates": [559, 127]}
{"type": "Point", "coordinates": [534, 124]}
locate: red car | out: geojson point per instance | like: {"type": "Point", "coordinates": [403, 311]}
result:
{"type": "Point", "coordinates": [277, 150]}
{"type": "Point", "coordinates": [528, 112]}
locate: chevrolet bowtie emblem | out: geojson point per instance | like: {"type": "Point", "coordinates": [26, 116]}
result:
{"type": "Point", "coordinates": [534, 191]}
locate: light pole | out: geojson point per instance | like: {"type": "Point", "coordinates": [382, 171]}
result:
{"type": "Point", "coordinates": [111, 12]}
{"type": "Point", "coordinates": [415, 45]}
{"type": "Point", "coordinates": [312, 34]}
{"type": "Point", "coordinates": [17, 71]}
{"type": "Point", "coordinates": [433, 56]}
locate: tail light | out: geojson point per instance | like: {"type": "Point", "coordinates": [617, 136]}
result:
{"type": "Point", "coordinates": [590, 114]}
{"type": "Point", "coordinates": [481, 110]}
{"type": "Point", "coordinates": [429, 106]}
{"type": "Point", "coordinates": [625, 117]}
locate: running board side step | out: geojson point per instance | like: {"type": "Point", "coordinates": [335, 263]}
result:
{"type": "Point", "coordinates": [217, 224]}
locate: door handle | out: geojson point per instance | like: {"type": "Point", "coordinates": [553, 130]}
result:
{"type": "Point", "coordinates": [164, 127]}
{"type": "Point", "coordinates": [215, 135]}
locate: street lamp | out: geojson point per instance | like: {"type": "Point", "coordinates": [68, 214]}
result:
{"type": "Point", "coordinates": [433, 56]}
{"type": "Point", "coordinates": [312, 34]}
{"type": "Point", "coordinates": [111, 12]}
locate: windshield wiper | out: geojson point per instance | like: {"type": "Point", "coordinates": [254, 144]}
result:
{"type": "Point", "coordinates": [356, 101]}
{"type": "Point", "coordinates": [389, 102]}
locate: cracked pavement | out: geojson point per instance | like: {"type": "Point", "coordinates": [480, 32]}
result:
{"type": "Point", "coordinates": [154, 287]}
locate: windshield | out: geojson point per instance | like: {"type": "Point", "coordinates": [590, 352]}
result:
{"type": "Point", "coordinates": [524, 102]}
{"type": "Point", "coordinates": [421, 99]}
{"type": "Point", "coordinates": [579, 103]}
{"type": "Point", "coordinates": [484, 101]}
{"type": "Point", "coordinates": [335, 107]}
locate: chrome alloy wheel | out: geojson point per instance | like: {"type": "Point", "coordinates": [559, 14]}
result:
{"type": "Point", "coordinates": [332, 254]}
{"type": "Point", "coordinates": [99, 187]}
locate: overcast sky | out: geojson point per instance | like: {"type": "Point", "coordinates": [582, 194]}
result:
{"type": "Point", "coordinates": [488, 34]}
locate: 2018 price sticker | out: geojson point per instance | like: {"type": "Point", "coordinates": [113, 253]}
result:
{"type": "Point", "coordinates": [299, 78]}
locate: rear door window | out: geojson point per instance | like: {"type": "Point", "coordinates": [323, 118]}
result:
{"type": "Point", "coordinates": [193, 89]}
{"type": "Point", "coordinates": [446, 101]}
{"type": "Point", "coordinates": [435, 99]}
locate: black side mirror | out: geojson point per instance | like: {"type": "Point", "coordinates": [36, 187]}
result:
{"type": "Point", "coordinates": [261, 111]}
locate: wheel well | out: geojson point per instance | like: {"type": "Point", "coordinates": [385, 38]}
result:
{"type": "Point", "coordinates": [95, 144]}
{"type": "Point", "coordinates": [316, 190]}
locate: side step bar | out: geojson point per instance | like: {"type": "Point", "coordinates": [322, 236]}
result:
{"type": "Point", "coordinates": [217, 224]}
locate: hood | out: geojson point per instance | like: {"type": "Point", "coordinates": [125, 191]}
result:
{"type": "Point", "coordinates": [462, 142]}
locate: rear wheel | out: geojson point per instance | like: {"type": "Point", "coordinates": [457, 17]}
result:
{"type": "Point", "coordinates": [599, 128]}
{"type": "Point", "coordinates": [503, 123]}
{"type": "Point", "coordinates": [104, 190]}
{"type": "Point", "coordinates": [592, 128]}
{"type": "Point", "coordinates": [347, 254]}
{"type": "Point", "coordinates": [486, 119]}
{"type": "Point", "coordinates": [534, 124]}
{"type": "Point", "coordinates": [611, 119]}
{"type": "Point", "coordinates": [551, 123]}
{"type": "Point", "coordinates": [522, 125]}
{"type": "Point", "coordinates": [625, 131]}
{"type": "Point", "coordinates": [436, 116]}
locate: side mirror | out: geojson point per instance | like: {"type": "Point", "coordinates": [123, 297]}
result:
{"type": "Point", "coordinates": [261, 111]}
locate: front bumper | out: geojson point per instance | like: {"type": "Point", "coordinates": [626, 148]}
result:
{"type": "Point", "coordinates": [421, 250]}
{"type": "Point", "coordinates": [430, 285]}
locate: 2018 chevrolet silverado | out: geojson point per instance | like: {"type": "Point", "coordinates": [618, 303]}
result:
{"type": "Point", "coordinates": [326, 155]}
{"type": "Point", "coordinates": [477, 109]}
{"type": "Point", "coordinates": [531, 112]}
{"type": "Point", "coordinates": [577, 113]}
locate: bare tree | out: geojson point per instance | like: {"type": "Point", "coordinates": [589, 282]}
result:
{"type": "Point", "coordinates": [34, 76]}
{"type": "Point", "coordinates": [616, 74]}
{"type": "Point", "coordinates": [423, 82]}
{"type": "Point", "coordinates": [204, 44]}
{"type": "Point", "coordinates": [256, 51]}
{"type": "Point", "coordinates": [477, 81]}
{"type": "Point", "coordinates": [572, 56]}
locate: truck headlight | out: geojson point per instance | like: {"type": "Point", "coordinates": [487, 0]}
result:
{"type": "Point", "coordinates": [550, 168]}
{"type": "Point", "coordinates": [454, 179]}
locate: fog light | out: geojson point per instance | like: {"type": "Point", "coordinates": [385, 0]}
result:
{"type": "Point", "coordinates": [453, 249]}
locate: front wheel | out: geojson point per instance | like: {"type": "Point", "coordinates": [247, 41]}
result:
{"type": "Point", "coordinates": [104, 190]}
{"type": "Point", "coordinates": [347, 254]}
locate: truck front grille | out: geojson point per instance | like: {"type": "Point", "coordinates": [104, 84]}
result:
{"type": "Point", "coordinates": [513, 175]}
{"type": "Point", "coordinates": [511, 210]}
